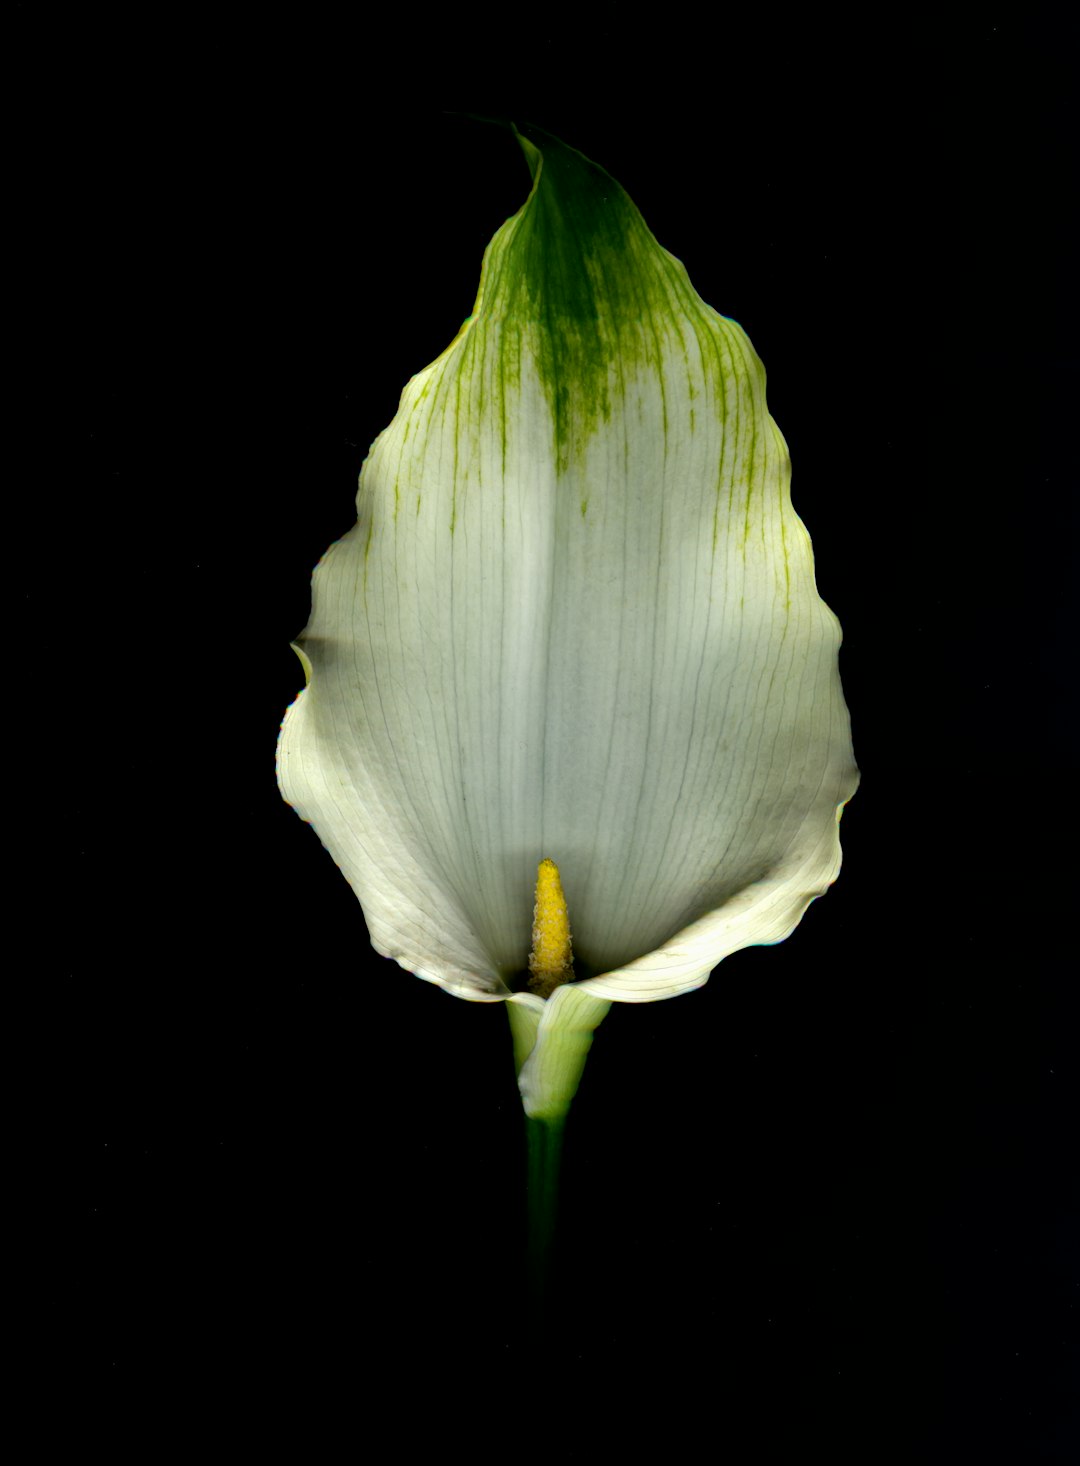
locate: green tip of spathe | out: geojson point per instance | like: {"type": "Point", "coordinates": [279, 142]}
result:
{"type": "Point", "coordinates": [532, 154]}
{"type": "Point", "coordinates": [579, 277]}
{"type": "Point", "coordinates": [491, 119]}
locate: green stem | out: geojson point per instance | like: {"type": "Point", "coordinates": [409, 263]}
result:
{"type": "Point", "coordinates": [551, 1041]}
{"type": "Point", "coordinates": [544, 1139]}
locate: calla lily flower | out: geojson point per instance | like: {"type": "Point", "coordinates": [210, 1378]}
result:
{"type": "Point", "coordinates": [576, 623]}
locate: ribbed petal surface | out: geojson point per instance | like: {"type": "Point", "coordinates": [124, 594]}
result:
{"type": "Point", "coordinates": [576, 619]}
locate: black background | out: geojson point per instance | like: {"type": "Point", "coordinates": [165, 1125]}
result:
{"type": "Point", "coordinates": [828, 1202]}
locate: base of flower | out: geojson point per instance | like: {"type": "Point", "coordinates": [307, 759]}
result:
{"type": "Point", "coordinates": [552, 1038]}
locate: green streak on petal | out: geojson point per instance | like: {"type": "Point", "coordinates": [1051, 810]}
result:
{"type": "Point", "coordinates": [576, 281]}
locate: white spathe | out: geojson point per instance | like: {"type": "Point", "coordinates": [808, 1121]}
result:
{"type": "Point", "coordinates": [576, 620]}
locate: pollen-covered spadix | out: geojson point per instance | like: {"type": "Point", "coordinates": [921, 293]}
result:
{"type": "Point", "coordinates": [577, 614]}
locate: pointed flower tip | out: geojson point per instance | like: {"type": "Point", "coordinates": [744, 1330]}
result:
{"type": "Point", "coordinates": [304, 661]}
{"type": "Point", "coordinates": [551, 959]}
{"type": "Point", "coordinates": [531, 151]}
